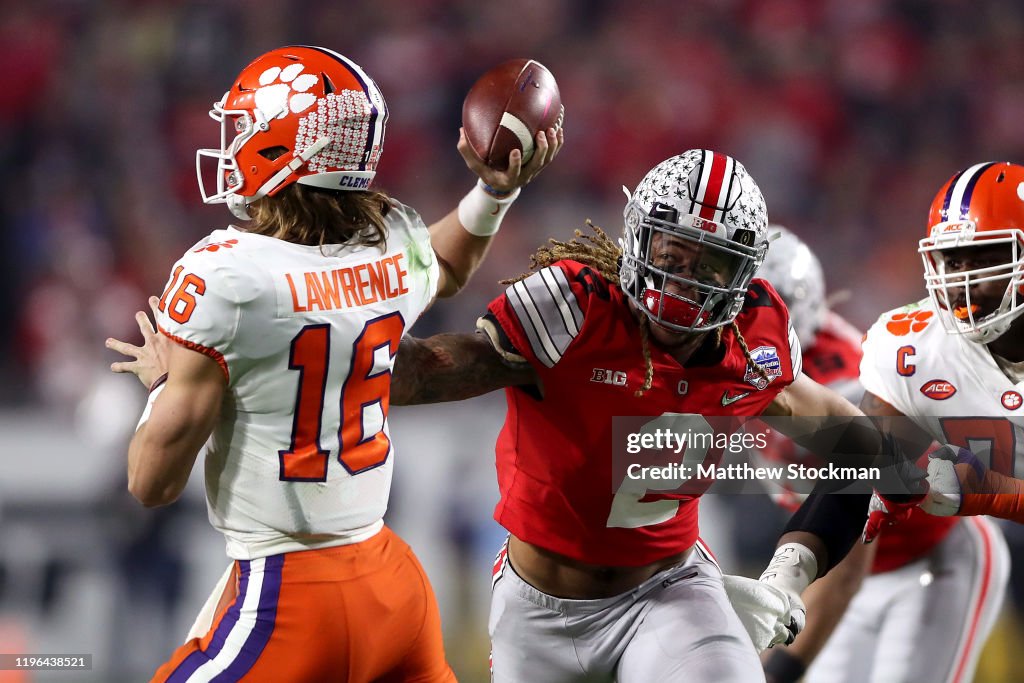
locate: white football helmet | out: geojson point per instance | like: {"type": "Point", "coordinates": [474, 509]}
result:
{"type": "Point", "coordinates": [296, 114]}
{"type": "Point", "coordinates": [707, 203]}
{"type": "Point", "coordinates": [796, 274]}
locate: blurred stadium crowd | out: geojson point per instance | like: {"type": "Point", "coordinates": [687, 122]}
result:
{"type": "Point", "coordinates": [849, 114]}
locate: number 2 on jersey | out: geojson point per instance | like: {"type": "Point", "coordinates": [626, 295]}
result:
{"type": "Point", "coordinates": [628, 510]}
{"type": "Point", "coordinates": [306, 459]}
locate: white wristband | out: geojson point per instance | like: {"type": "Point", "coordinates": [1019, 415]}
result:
{"type": "Point", "coordinates": [793, 568]}
{"type": "Point", "coordinates": [149, 406]}
{"type": "Point", "coordinates": [481, 212]}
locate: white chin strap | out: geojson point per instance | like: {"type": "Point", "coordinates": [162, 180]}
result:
{"type": "Point", "coordinates": [238, 204]}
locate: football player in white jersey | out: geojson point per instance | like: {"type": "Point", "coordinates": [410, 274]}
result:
{"type": "Point", "coordinates": [276, 343]}
{"type": "Point", "coordinates": [978, 266]}
{"type": "Point", "coordinates": [866, 618]}
{"type": "Point", "coordinates": [951, 364]}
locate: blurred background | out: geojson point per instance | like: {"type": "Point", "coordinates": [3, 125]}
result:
{"type": "Point", "coordinates": [850, 115]}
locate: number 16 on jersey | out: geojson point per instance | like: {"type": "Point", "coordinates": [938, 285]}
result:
{"type": "Point", "coordinates": [367, 384]}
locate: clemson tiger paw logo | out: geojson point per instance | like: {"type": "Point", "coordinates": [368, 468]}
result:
{"type": "Point", "coordinates": [227, 244]}
{"type": "Point", "coordinates": [904, 323]}
{"type": "Point", "coordinates": [285, 90]}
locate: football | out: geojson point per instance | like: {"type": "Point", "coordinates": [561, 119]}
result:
{"type": "Point", "coordinates": [507, 107]}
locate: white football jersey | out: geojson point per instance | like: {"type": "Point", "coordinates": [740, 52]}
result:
{"type": "Point", "coordinates": [951, 387]}
{"type": "Point", "coordinates": [306, 336]}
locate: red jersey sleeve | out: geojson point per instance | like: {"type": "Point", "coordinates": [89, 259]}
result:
{"type": "Point", "coordinates": [543, 314]}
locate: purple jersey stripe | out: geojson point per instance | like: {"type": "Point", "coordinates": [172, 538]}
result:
{"type": "Point", "coordinates": [266, 615]}
{"type": "Point", "coordinates": [200, 657]}
{"type": "Point", "coordinates": [965, 203]}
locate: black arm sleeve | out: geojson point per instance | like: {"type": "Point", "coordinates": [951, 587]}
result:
{"type": "Point", "coordinates": [836, 518]}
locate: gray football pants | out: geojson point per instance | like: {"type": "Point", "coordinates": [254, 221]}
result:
{"type": "Point", "coordinates": [676, 626]}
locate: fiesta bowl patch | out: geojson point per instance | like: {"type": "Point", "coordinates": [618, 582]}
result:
{"type": "Point", "coordinates": [766, 358]}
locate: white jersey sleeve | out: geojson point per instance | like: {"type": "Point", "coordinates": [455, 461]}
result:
{"type": "Point", "coordinates": [201, 303]}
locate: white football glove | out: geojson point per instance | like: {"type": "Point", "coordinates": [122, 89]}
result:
{"type": "Point", "coordinates": [941, 500]}
{"type": "Point", "coordinates": [945, 485]}
{"type": "Point", "coordinates": [770, 614]}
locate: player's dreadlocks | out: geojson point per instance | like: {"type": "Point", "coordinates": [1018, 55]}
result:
{"type": "Point", "coordinates": [599, 252]}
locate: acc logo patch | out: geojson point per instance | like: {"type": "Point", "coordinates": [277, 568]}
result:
{"type": "Point", "coordinates": [938, 389]}
{"type": "Point", "coordinates": [1011, 400]}
{"type": "Point", "coordinates": [766, 358]}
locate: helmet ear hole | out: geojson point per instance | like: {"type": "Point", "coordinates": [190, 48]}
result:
{"type": "Point", "coordinates": [271, 153]}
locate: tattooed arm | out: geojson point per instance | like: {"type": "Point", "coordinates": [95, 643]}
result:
{"type": "Point", "coordinates": [452, 367]}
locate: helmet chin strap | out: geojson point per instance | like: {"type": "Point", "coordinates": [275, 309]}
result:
{"type": "Point", "coordinates": [238, 204]}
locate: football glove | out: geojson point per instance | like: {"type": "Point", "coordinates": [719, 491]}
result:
{"type": "Point", "coordinates": [952, 472]}
{"type": "Point", "coordinates": [769, 614]}
{"type": "Point", "coordinates": [884, 513]}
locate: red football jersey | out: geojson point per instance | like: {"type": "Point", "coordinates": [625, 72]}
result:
{"type": "Point", "coordinates": [833, 359]}
{"type": "Point", "coordinates": [555, 452]}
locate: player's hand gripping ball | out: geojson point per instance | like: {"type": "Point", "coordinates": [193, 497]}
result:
{"type": "Point", "coordinates": [507, 107]}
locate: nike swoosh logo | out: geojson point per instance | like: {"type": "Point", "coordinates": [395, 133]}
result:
{"type": "Point", "coordinates": [497, 208]}
{"type": "Point", "coordinates": [668, 582]}
{"type": "Point", "coordinates": [729, 400]}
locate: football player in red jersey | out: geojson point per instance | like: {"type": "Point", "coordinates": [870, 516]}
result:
{"type": "Point", "coordinates": [274, 350]}
{"type": "Point", "coordinates": [885, 632]}
{"type": "Point", "coordinates": [601, 579]}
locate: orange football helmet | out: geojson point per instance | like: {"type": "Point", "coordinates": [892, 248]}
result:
{"type": "Point", "coordinates": [298, 114]}
{"type": "Point", "coordinates": [981, 206]}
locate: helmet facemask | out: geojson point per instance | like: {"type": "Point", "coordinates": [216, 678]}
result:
{"type": "Point", "coordinates": [683, 277]}
{"type": "Point", "coordinates": [950, 288]}
{"type": "Point", "coordinates": [229, 179]}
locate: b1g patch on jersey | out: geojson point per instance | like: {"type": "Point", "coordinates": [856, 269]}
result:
{"type": "Point", "coordinates": [602, 376]}
{"type": "Point", "coordinates": [766, 358]}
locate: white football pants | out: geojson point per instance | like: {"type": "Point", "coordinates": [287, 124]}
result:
{"type": "Point", "coordinates": [676, 626]}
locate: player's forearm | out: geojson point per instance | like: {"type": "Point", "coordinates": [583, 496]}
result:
{"type": "Point", "coordinates": [826, 424]}
{"type": "Point", "coordinates": [164, 448]}
{"type": "Point", "coordinates": [153, 477]}
{"type": "Point", "coordinates": [828, 524]}
{"type": "Point", "coordinates": [827, 599]}
{"type": "Point", "coordinates": [459, 252]}
{"type": "Point", "coordinates": [999, 496]}
{"type": "Point", "coordinates": [451, 367]}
